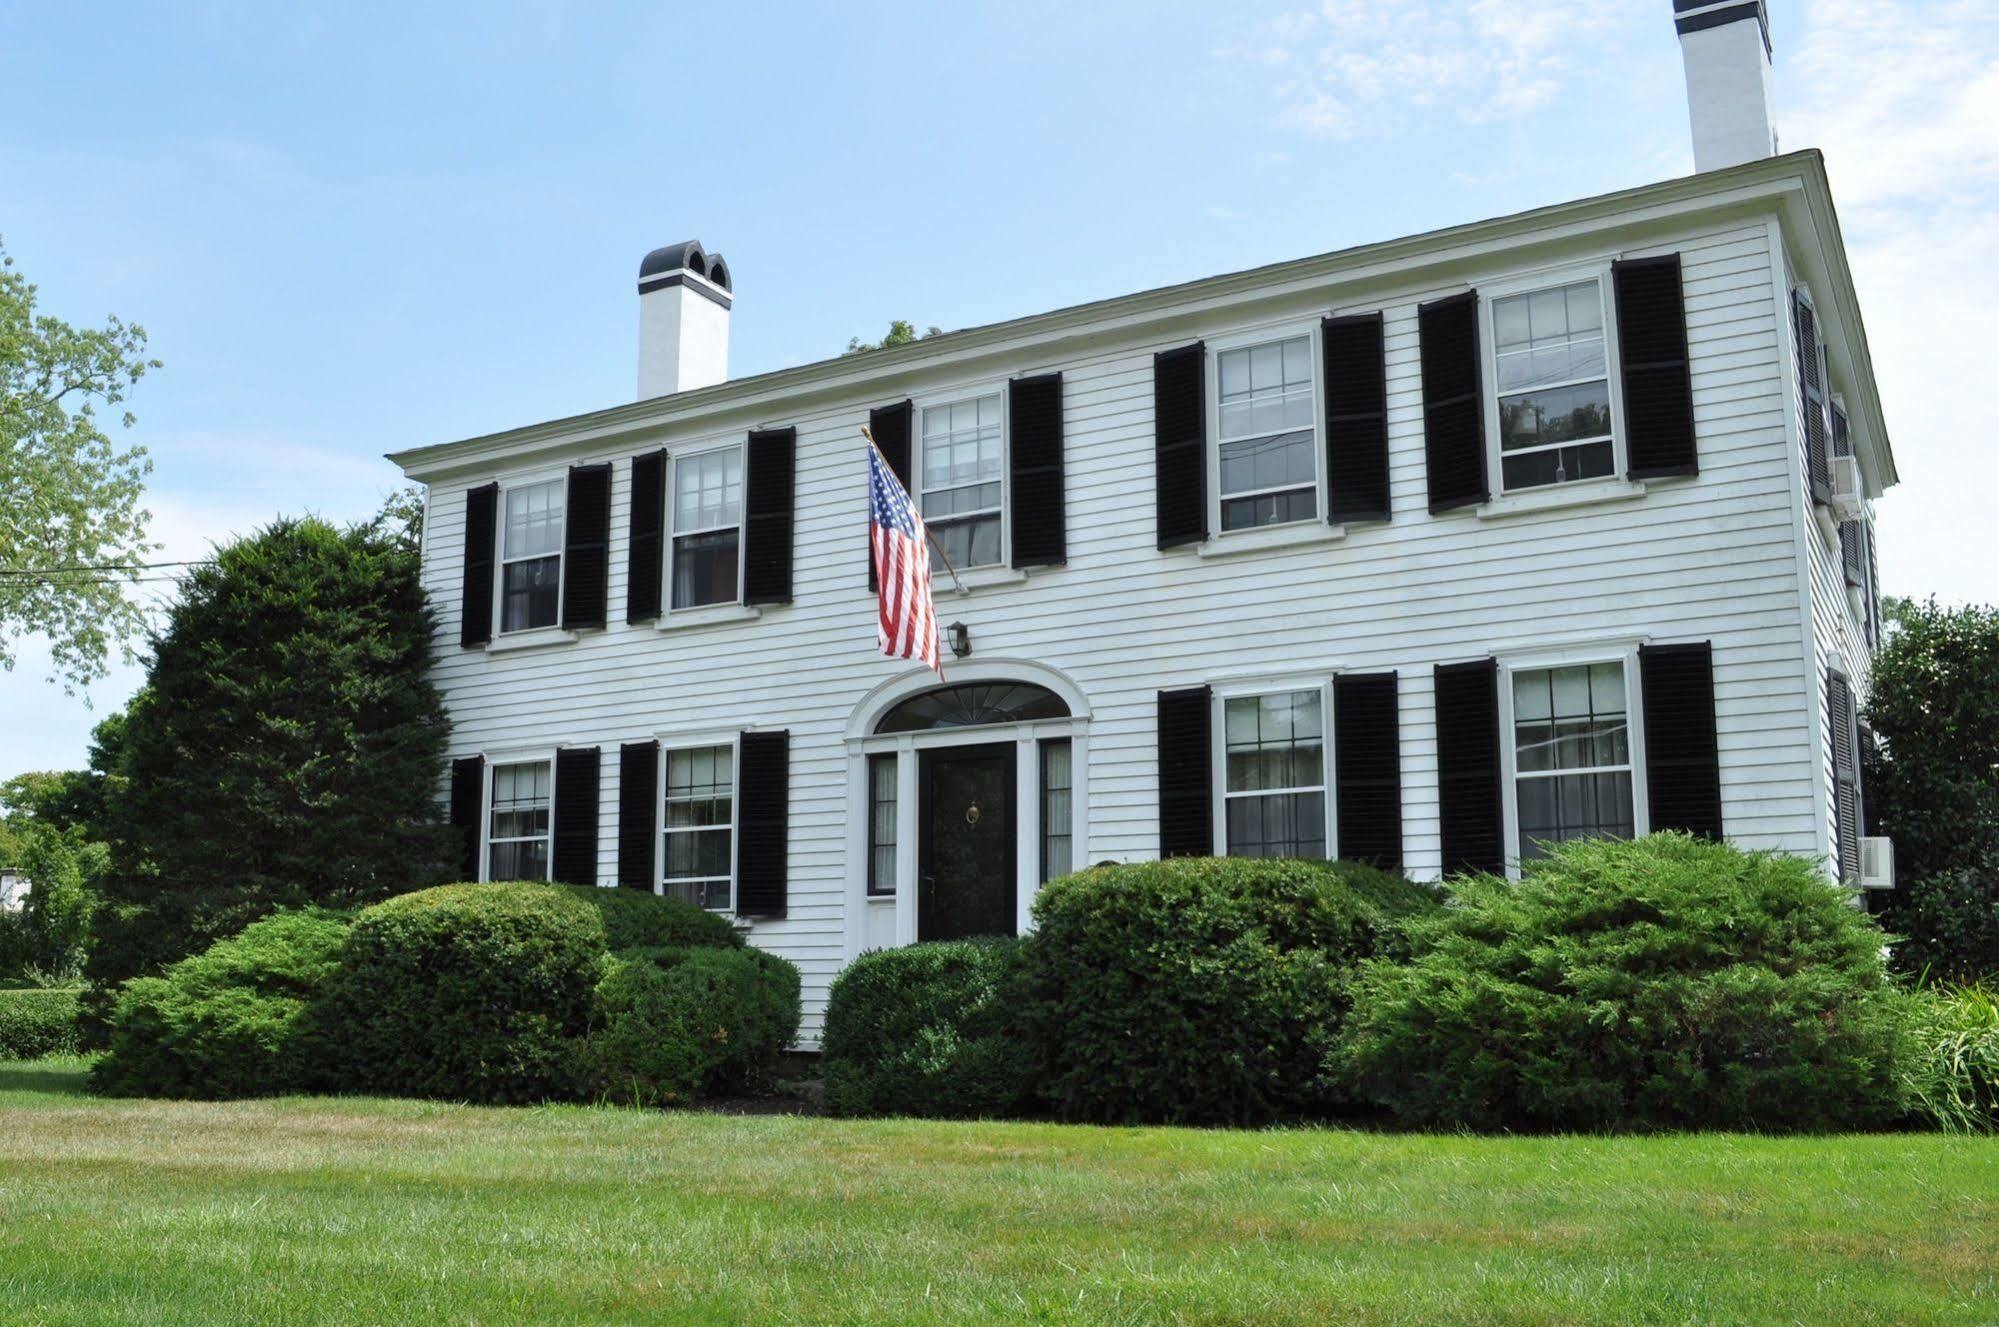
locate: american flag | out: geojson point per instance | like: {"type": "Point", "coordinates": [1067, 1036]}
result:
{"type": "Point", "coordinates": [906, 625]}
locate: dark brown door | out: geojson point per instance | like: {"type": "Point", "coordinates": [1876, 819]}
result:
{"type": "Point", "coordinates": [965, 857]}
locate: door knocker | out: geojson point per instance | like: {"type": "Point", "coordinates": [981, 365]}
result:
{"type": "Point", "coordinates": [972, 814]}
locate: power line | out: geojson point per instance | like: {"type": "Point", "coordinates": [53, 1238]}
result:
{"type": "Point", "coordinates": [106, 566]}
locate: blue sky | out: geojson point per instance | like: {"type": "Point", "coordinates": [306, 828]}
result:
{"type": "Point", "coordinates": [358, 228]}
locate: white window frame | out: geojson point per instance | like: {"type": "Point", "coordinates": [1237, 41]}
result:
{"type": "Point", "coordinates": [1286, 331]}
{"type": "Point", "coordinates": [669, 743]}
{"type": "Point", "coordinates": [500, 558]}
{"type": "Point", "coordinates": [493, 761]}
{"type": "Point", "coordinates": [1618, 652]}
{"type": "Point", "coordinates": [1220, 695]}
{"type": "Point", "coordinates": [673, 532]}
{"type": "Point", "coordinates": [1528, 283]}
{"type": "Point", "coordinates": [917, 406]}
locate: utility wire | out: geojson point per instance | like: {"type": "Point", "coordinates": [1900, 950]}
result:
{"type": "Point", "coordinates": [107, 566]}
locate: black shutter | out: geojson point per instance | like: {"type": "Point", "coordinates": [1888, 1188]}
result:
{"type": "Point", "coordinates": [1034, 451]}
{"type": "Point", "coordinates": [468, 798]}
{"type": "Point", "coordinates": [763, 823]}
{"type": "Point", "coordinates": [1852, 555]}
{"type": "Point", "coordinates": [1658, 384]}
{"type": "Point", "coordinates": [768, 492]}
{"type": "Point", "coordinates": [645, 552]}
{"type": "Point", "coordinates": [1367, 760]}
{"type": "Point", "coordinates": [1179, 445]}
{"type": "Point", "coordinates": [638, 814]}
{"type": "Point", "coordinates": [1845, 736]}
{"type": "Point", "coordinates": [1468, 792]}
{"type": "Point", "coordinates": [1682, 758]}
{"type": "Point", "coordinates": [1356, 418]}
{"type": "Point", "coordinates": [890, 425]}
{"type": "Point", "coordinates": [586, 546]}
{"type": "Point", "coordinates": [1812, 399]}
{"type": "Point", "coordinates": [475, 600]}
{"type": "Point", "coordinates": [1453, 402]}
{"type": "Point", "coordinates": [575, 853]}
{"type": "Point", "coordinates": [1186, 773]}
{"type": "Point", "coordinates": [1873, 589]}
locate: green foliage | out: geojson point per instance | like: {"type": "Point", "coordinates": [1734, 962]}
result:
{"type": "Point", "coordinates": [1201, 990]}
{"type": "Point", "coordinates": [239, 1019]}
{"type": "Point", "coordinates": [1668, 983]}
{"type": "Point", "coordinates": [676, 1024]}
{"type": "Point", "coordinates": [34, 1023]}
{"type": "Point", "coordinates": [285, 751]}
{"type": "Point", "coordinates": [900, 333]}
{"type": "Point", "coordinates": [929, 1030]}
{"type": "Point", "coordinates": [71, 799]}
{"type": "Point", "coordinates": [637, 919]}
{"type": "Point", "coordinates": [72, 532]}
{"type": "Point", "coordinates": [1953, 1073]}
{"type": "Point", "coordinates": [1933, 786]}
{"type": "Point", "coordinates": [470, 992]}
{"type": "Point", "coordinates": [64, 873]}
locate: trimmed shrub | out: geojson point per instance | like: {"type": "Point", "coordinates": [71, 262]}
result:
{"type": "Point", "coordinates": [1201, 990]}
{"type": "Point", "coordinates": [675, 1024]}
{"type": "Point", "coordinates": [236, 1020]}
{"type": "Point", "coordinates": [635, 919]}
{"type": "Point", "coordinates": [470, 992]}
{"type": "Point", "coordinates": [1667, 982]}
{"type": "Point", "coordinates": [1953, 1077]}
{"type": "Point", "coordinates": [929, 1029]}
{"type": "Point", "coordinates": [37, 1023]}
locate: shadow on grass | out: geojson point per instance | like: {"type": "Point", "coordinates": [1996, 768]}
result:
{"type": "Point", "coordinates": [60, 1075]}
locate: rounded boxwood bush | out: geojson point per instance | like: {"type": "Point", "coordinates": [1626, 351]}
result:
{"type": "Point", "coordinates": [1667, 982]}
{"type": "Point", "coordinates": [674, 1024]}
{"type": "Point", "coordinates": [470, 992]}
{"type": "Point", "coordinates": [1201, 990]}
{"type": "Point", "coordinates": [238, 1019]}
{"type": "Point", "coordinates": [636, 918]}
{"type": "Point", "coordinates": [929, 1029]}
{"type": "Point", "coordinates": [34, 1023]}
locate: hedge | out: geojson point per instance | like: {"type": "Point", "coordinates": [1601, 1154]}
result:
{"type": "Point", "coordinates": [674, 1024]}
{"type": "Point", "coordinates": [1667, 982]}
{"type": "Point", "coordinates": [635, 919]}
{"type": "Point", "coordinates": [929, 1029]}
{"type": "Point", "coordinates": [1202, 990]}
{"type": "Point", "coordinates": [34, 1023]}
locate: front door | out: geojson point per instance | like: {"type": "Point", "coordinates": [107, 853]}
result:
{"type": "Point", "coordinates": [965, 860]}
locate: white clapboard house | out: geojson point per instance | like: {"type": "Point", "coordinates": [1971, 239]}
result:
{"type": "Point", "coordinates": [1426, 552]}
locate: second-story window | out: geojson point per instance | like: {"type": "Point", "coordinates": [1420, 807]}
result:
{"type": "Point", "coordinates": [707, 527]}
{"type": "Point", "coordinates": [531, 557]}
{"type": "Point", "coordinates": [1552, 373]}
{"type": "Point", "coordinates": [1265, 437]}
{"type": "Point", "coordinates": [963, 477]}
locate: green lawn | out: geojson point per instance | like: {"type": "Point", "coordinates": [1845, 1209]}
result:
{"type": "Point", "coordinates": [365, 1211]}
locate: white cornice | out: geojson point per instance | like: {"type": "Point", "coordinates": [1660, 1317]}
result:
{"type": "Point", "coordinates": [1431, 259]}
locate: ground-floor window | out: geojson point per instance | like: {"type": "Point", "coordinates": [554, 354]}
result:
{"type": "Point", "coordinates": [1057, 825]}
{"type": "Point", "coordinates": [518, 831]}
{"type": "Point", "coordinates": [882, 812]}
{"type": "Point", "coordinates": [700, 825]}
{"type": "Point", "coordinates": [1572, 755]}
{"type": "Point", "coordinates": [1275, 791]}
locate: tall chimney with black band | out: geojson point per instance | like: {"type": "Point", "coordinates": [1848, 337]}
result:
{"type": "Point", "coordinates": [684, 298]}
{"type": "Point", "coordinates": [1726, 47]}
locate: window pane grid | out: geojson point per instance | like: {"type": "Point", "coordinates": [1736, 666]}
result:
{"type": "Point", "coordinates": [1274, 793]}
{"type": "Point", "coordinates": [707, 491]}
{"type": "Point", "coordinates": [517, 830]}
{"type": "Point", "coordinates": [1265, 436]}
{"type": "Point", "coordinates": [1572, 755]}
{"type": "Point", "coordinates": [963, 471]}
{"type": "Point", "coordinates": [531, 556]}
{"type": "Point", "coordinates": [1550, 361]}
{"type": "Point", "coordinates": [1057, 809]}
{"type": "Point", "coordinates": [700, 825]}
{"type": "Point", "coordinates": [882, 813]}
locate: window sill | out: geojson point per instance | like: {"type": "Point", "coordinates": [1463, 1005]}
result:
{"type": "Point", "coordinates": [534, 639]}
{"type": "Point", "coordinates": [1302, 534]}
{"type": "Point", "coordinates": [881, 898]}
{"type": "Point", "coordinates": [715, 615]}
{"type": "Point", "coordinates": [1555, 497]}
{"type": "Point", "coordinates": [975, 578]}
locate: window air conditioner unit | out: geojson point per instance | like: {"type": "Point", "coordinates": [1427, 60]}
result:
{"type": "Point", "coordinates": [1846, 495]}
{"type": "Point", "coordinates": [1877, 863]}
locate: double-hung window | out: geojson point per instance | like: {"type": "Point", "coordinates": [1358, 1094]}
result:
{"type": "Point", "coordinates": [963, 478]}
{"type": "Point", "coordinates": [1265, 436]}
{"type": "Point", "coordinates": [1551, 372]}
{"type": "Point", "coordinates": [1275, 787]}
{"type": "Point", "coordinates": [1572, 759]}
{"type": "Point", "coordinates": [517, 833]}
{"type": "Point", "coordinates": [707, 527]}
{"type": "Point", "coordinates": [531, 557]}
{"type": "Point", "coordinates": [700, 825]}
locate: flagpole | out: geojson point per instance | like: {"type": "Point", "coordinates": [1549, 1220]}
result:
{"type": "Point", "coordinates": [869, 434]}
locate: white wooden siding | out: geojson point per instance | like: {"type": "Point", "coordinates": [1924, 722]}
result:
{"type": "Point", "coordinates": [1708, 558]}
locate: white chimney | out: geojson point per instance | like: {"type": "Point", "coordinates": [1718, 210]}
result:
{"type": "Point", "coordinates": [684, 298]}
{"type": "Point", "coordinates": [1726, 46]}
